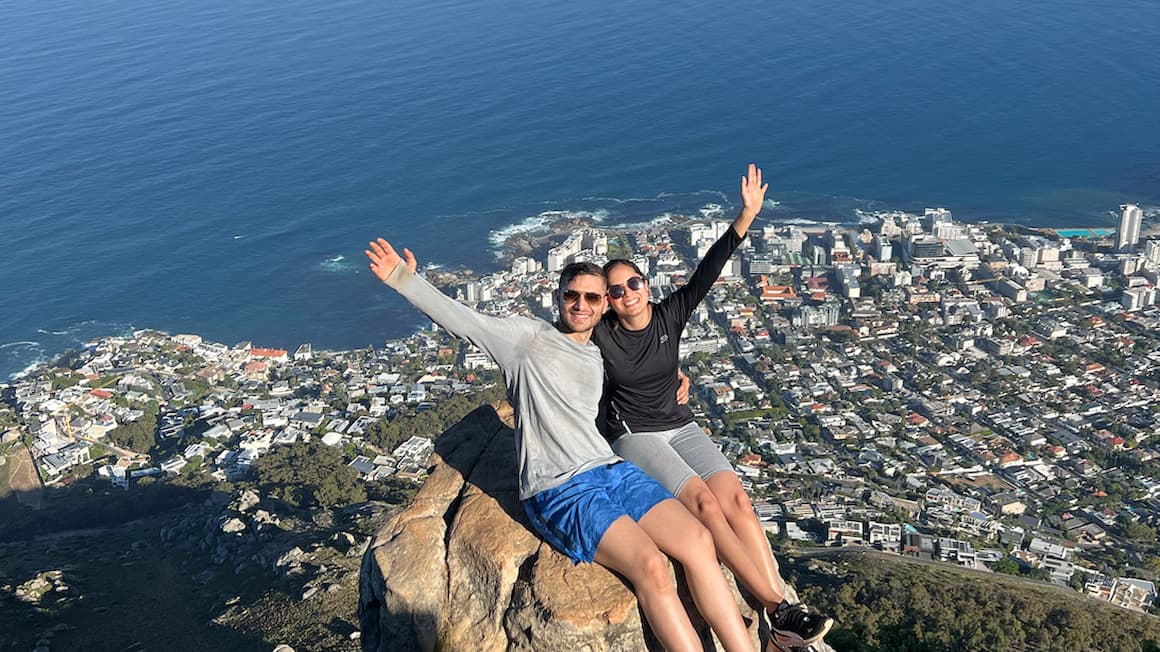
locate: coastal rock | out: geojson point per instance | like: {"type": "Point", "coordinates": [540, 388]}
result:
{"type": "Point", "coordinates": [292, 557]}
{"type": "Point", "coordinates": [460, 569]}
{"type": "Point", "coordinates": [343, 541]}
{"type": "Point", "coordinates": [247, 501]}
{"type": "Point", "coordinates": [233, 525]}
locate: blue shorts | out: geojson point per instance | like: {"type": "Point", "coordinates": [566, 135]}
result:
{"type": "Point", "coordinates": [575, 515]}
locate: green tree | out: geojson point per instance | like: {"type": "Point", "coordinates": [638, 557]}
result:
{"type": "Point", "coordinates": [392, 490]}
{"type": "Point", "coordinates": [1135, 530]}
{"type": "Point", "coordinates": [1006, 565]}
{"type": "Point", "coordinates": [307, 475]}
{"type": "Point", "coordinates": [138, 436]}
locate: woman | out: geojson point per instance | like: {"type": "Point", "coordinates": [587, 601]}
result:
{"type": "Point", "coordinates": [639, 341]}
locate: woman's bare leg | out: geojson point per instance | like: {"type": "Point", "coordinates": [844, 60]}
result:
{"type": "Point", "coordinates": [732, 545]}
{"type": "Point", "coordinates": [627, 549]}
{"type": "Point", "coordinates": [743, 520]}
{"type": "Point", "coordinates": [678, 534]}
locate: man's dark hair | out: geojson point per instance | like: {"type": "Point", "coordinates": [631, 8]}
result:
{"type": "Point", "coordinates": [579, 269]}
{"type": "Point", "coordinates": [622, 261]}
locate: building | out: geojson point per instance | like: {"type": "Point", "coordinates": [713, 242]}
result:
{"type": "Point", "coordinates": [473, 358]}
{"type": "Point", "coordinates": [887, 536]}
{"type": "Point", "coordinates": [847, 276]}
{"type": "Point", "coordinates": [883, 248]}
{"type": "Point", "coordinates": [1010, 289]}
{"type": "Point", "coordinates": [918, 545]}
{"type": "Point", "coordinates": [947, 229]}
{"type": "Point", "coordinates": [1125, 592]}
{"type": "Point", "coordinates": [817, 316]}
{"type": "Point", "coordinates": [848, 532]}
{"type": "Point", "coordinates": [1128, 234]}
{"type": "Point", "coordinates": [789, 240]}
{"type": "Point", "coordinates": [924, 248]}
{"type": "Point", "coordinates": [1152, 252]}
{"type": "Point", "coordinates": [1137, 298]}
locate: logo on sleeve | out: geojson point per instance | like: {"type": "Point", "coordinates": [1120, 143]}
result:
{"type": "Point", "coordinates": [664, 338]}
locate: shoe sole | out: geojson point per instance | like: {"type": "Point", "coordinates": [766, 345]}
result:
{"type": "Point", "coordinates": [782, 642]}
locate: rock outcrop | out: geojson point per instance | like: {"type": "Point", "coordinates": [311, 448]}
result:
{"type": "Point", "coordinates": [460, 569]}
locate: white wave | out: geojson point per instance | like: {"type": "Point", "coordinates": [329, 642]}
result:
{"type": "Point", "coordinates": [711, 211]}
{"type": "Point", "coordinates": [713, 193]}
{"type": "Point", "coordinates": [24, 348]}
{"type": "Point", "coordinates": [620, 200]}
{"type": "Point", "coordinates": [33, 366]}
{"type": "Point", "coordinates": [661, 220]}
{"type": "Point", "coordinates": [81, 334]}
{"type": "Point", "coordinates": [541, 221]}
{"type": "Point", "coordinates": [796, 220]}
{"type": "Point", "coordinates": [337, 264]}
{"type": "Point", "coordinates": [239, 237]}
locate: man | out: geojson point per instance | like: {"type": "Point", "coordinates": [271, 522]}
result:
{"type": "Point", "coordinates": [579, 496]}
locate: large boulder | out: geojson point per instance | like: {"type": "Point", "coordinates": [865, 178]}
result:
{"type": "Point", "coordinates": [461, 569]}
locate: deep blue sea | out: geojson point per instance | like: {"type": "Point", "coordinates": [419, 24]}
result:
{"type": "Point", "coordinates": [216, 166]}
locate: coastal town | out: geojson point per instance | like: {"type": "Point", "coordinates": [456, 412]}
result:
{"type": "Point", "coordinates": [974, 394]}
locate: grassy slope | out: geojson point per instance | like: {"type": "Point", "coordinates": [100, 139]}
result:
{"type": "Point", "coordinates": [18, 472]}
{"type": "Point", "coordinates": [5, 471]}
{"type": "Point", "coordinates": [127, 591]}
{"type": "Point", "coordinates": [884, 602]}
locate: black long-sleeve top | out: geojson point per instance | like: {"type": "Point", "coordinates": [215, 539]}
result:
{"type": "Point", "coordinates": [641, 366]}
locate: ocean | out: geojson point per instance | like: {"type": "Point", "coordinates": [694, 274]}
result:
{"type": "Point", "coordinates": [217, 166]}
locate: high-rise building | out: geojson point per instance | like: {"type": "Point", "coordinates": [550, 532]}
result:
{"type": "Point", "coordinates": [883, 248]}
{"type": "Point", "coordinates": [937, 216]}
{"type": "Point", "coordinates": [924, 247]}
{"type": "Point", "coordinates": [1152, 251]}
{"type": "Point", "coordinates": [1129, 232]}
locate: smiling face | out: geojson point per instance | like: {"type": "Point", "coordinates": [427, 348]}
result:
{"type": "Point", "coordinates": [581, 304]}
{"type": "Point", "coordinates": [632, 305]}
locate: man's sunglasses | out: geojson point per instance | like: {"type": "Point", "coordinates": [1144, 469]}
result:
{"type": "Point", "coordinates": [593, 298]}
{"type": "Point", "coordinates": [617, 291]}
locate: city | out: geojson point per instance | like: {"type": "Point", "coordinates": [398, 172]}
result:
{"type": "Point", "coordinates": [974, 394]}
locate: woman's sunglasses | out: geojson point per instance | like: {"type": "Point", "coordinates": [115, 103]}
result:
{"type": "Point", "coordinates": [617, 291]}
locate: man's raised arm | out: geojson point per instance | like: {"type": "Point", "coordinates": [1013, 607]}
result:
{"type": "Point", "coordinates": [503, 339]}
{"type": "Point", "coordinates": [384, 258]}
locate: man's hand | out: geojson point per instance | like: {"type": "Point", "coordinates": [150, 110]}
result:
{"type": "Point", "coordinates": [753, 191]}
{"type": "Point", "coordinates": [682, 387]}
{"type": "Point", "coordinates": [383, 258]}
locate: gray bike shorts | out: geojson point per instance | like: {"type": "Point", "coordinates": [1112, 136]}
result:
{"type": "Point", "coordinates": [673, 456]}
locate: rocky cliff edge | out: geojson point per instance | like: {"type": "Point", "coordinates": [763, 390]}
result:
{"type": "Point", "coordinates": [460, 569]}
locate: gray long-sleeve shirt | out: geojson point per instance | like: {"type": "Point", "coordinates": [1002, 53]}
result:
{"type": "Point", "coordinates": [553, 382]}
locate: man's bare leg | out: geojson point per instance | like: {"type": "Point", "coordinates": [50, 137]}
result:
{"type": "Point", "coordinates": [682, 537]}
{"type": "Point", "coordinates": [627, 549]}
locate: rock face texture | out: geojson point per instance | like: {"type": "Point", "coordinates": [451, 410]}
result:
{"type": "Point", "coordinates": [460, 569]}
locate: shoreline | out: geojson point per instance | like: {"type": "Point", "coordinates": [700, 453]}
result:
{"type": "Point", "coordinates": [535, 240]}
